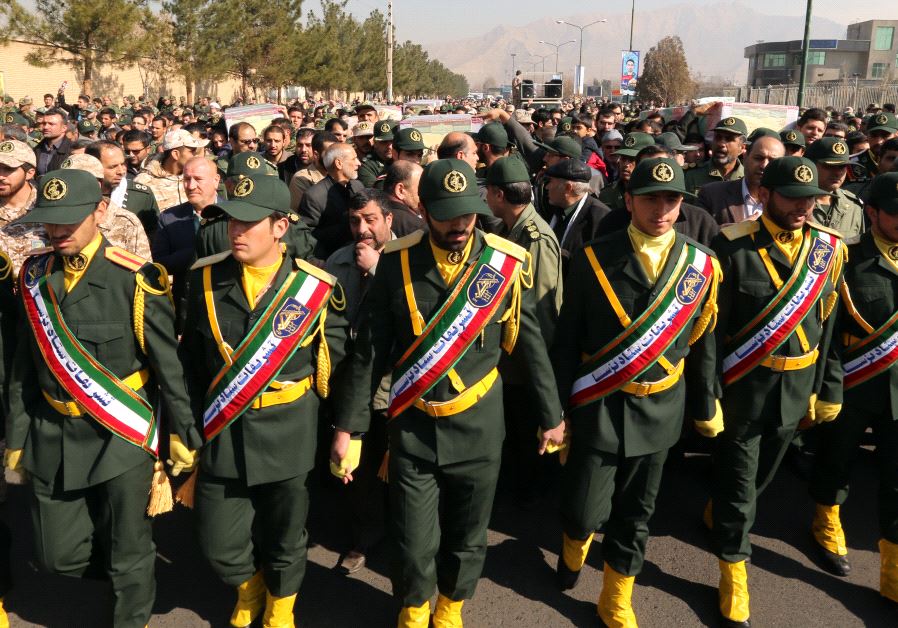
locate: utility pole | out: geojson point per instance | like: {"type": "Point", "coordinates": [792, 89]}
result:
{"type": "Point", "coordinates": [804, 55]}
{"type": "Point", "coordinates": [390, 51]}
{"type": "Point", "coordinates": [632, 19]}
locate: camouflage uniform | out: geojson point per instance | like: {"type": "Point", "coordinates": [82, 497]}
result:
{"type": "Point", "coordinates": [19, 240]}
{"type": "Point", "coordinates": [123, 229]}
{"type": "Point", "coordinates": [167, 188]}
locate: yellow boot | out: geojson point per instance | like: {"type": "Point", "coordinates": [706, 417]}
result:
{"type": "Point", "coordinates": [707, 515]}
{"type": "Point", "coordinates": [733, 593]}
{"type": "Point", "coordinates": [278, 611]}
{"type": "Point", "coordinates": [615, 606]}
{"type": "Point", "coordinates": [4, 618]}
{"type": "Point", "coordinates": [571, 561]}
{"type": "Point", "coordinates": [447, 613]}
{"type": "Point", "coordinates": [414, 616]}
{"type": "Point", "coordinates": [888, 570]}
{"type": "Point", "coordinates": [250, 601]}
{"type": "Point", "coordinates": [827, 531]}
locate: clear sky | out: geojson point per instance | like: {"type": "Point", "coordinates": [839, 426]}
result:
{"type": "Point", "coordinates": [426, 21]}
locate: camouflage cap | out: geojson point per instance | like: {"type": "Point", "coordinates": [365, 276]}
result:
{"type": "Point", "coordinates": [791, 137]}
{"type": "Point", "coordinates": [365, 106]}
{"type": "Point", "coordinates": [254, 198]}
{"type": "Point", "coordinates": [64, 197]}
{"type": "Point", "coordinates": [363, 129]}
{"type": "Point", "coordinates": [657, 174]}
{"type": "Point", "coordinates": [884, 192]}
{"type": "Point", "coordinates": [409, 139]}
{"type": "Point", "coordinates": [248, 164]}
{"type": "Point", "coordinates": [14, 154]}
{"type": "Point", "coordinates": [831, 151]}
{"type": "Point", "coordinates": [732, 125]}
{"type": "Point", "coordinates": [792, 177]}
{"type": "Point", "coordinates": [84, 162]}
{"type": "Point", "coordinates": [448, 189]}
{"type": "Point", "coordinates": [635, 142]}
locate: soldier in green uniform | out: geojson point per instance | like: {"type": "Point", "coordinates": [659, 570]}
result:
{"type": "Point", "coordinates": [794, 142]}
{"type": "Point", "coordinates": [867, 322]}
{"type": "Point", "coordinates": [626, 397]}
{"type": "Point", "coordinates": [882, 127]}
{"type": "Point", "coordinates": [8, 329]}
{"type": "Point", "coordinates": [433, 314]}
{"type": "Point", "coordinates": [408, 144]}
{"type": "Point", "coordinates": [780, 273]}
{"type": "Point", "coordinates": [726, 150]}
{"type": "Point", "coordinates": [265, 339]}
{"type": "Point", "coordinates": [613, 195]}
{"type": "Point", "coordinates": [840, 210]}
{"type": "Point", "coordinates": [381, 156]}
{"type": "Point", "coordinates": [81, 419]}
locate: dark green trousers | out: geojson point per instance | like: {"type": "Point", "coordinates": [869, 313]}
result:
{"type": "Point", "coordinates": [243, 529]}
{"type": "Point", "coordinates": [102, 526]}
{"type": "Point", "coordinates": [603, 488]}
{"type": "Point", "coordinates": [745, 461]}
{"type": "Point", "coordinates": [448, 551]}
{"type": "Point", "coordinates": [837, 450]}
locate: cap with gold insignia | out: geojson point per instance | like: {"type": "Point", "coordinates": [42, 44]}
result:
{"type": "Point", "coordinates": [14, 154]}
{"type": "Point", "coordinates": [762, 131]}
{"type": "Point", "coordinates": [249, 163]}
{"type": "Point", "coordinates": [86, 127]}
{"type": "Point", "coordinates": [409, 139]}
{"type": "Point", "coordinates": [507, 170]}
{"type": "Point", "coordinates": [363, 129]}
{"type": "Point", "coordinates": [732, 125]}
{"type": "Point", "coordinates": [448, 189]}
{"type": "Point", "coordinates": [657, 174]}
{"type": "Point", "coordinates": [383, 131]}
{"type": "Point", "coordinates": [792, 177]}
{"type": "Point", "coordinates": [791, 137]}
{"type": "Point", "coordinates": [831, 151]}
{"type": "Point", "coordinates": [563, 145]}
{"type": "Point", "coordinates": [884, 192]}
{"type": "Point", "coordinates": [87, 163]}
{"type": "Point", "coordinates": [14, 117]}
{"type": "Point", "coordinates": [635, 142]}
{"type": "Point", "coordinates": [565, 125]}
{"type": "Point", "coordinates": [255, 197]}
{"type": "Point", "coordinates": [883, 121]}
{"type": "Point", "coordinates": [64, 197]}
{"type": "Point", "coordinates": [493, 134]}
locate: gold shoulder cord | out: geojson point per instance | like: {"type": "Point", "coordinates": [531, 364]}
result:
{"type": "Point", "coordinates": [142, 287]}
{"type": "Point", "coordinates": [708, 319]}
{"type": "Point", "coordinates": [827, 308]}
{"type": "Point", "coordinates": [5, 266]}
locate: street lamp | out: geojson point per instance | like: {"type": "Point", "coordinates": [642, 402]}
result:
{"type": "Point", "coordinates": [542, 59]}
{"type": "Point", "coordinates": [557, 46]}
{"type": "Point", "coordinates": [580, 63]}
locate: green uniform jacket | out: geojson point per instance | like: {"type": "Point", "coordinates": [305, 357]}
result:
{"type": "Point", "coordinates": [613, 195]}
{"type": "Point", "coordinates": [622, 423]}
{"type": "Point", "coordinates": [212, 238]}
{"type": "Point", "coordinates": [870, 163]}
{"type": "Point", "coordinates": [873, 283]}
{"type": "Point", "coordinates": [99, 311]}
{"type": "Point", "coordinates": [370, 169]}
{"type": "Point", "coordinates": [708, 173]}
{"type": "Point", "coordinates": [8, 328]}
{"type": "Point", "coordinates": [745, 291]}
{"type": "Point", "coordinates": [278, 442]}
{"type": "Point", "coordinates": [845, 214]}
{"type": "Point", "coordinates": [139, 200]}
{"type": "Point", "coordinates": [475, 433]}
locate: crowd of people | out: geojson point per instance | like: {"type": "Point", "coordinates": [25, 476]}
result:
{"type": "Point", "coordinates": [184, 298]}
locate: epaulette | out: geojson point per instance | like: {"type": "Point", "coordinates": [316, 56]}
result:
{"type": "Point", "coordinates": [141, 187]}
{"type": "Point", "coordinates": [123, 258]}
{"type": "Point", "coordinates": [153, 278]}
{"type": "Point", "coordinates": [210, 259]}
{"type": "Point", "coordinates": [852, 196]}
{"type": "Point", "coordinates": [404, 242]}
{"type": "Point", "coordinates": [852, 240]}
{"type": "Point", "coordinates": [505, 246]}
{"type": "Point", "coordinates": [39, 251]}
{"type": "Point", "coordinates": [819, 227]}
{"type": "Point", "coordinates": [740, 229]}
{"type": "Point", "coordinates": [316, 272]}
{"type": "Point", "coordinates": [532, 230]}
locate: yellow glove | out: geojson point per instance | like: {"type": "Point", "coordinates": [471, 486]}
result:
{"type": "Point", "coordinates": [12, 459]}
{"type": "Point", "coordinates": [563, 449]}
{"type": "Point", "coordinates": [811, 417]}
{"type": "Point", "coordinates": [826, 411]}
{"type": "Point", "coordinates": [713, 426]}
{"type": "Point", "coordinates": [350, 462]}
{"type": "Point", "coordinates": [182, 458]}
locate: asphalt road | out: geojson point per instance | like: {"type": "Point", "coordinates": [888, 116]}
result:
{"type": "Point", "coordinates": [676, 588]}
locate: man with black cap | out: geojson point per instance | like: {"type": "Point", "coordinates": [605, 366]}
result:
{"type": "Point", "coordinates": [82, 420]}
{"type": "Point", "coordinates": [625, 395]}
{"type": "Point", "coordinates": [559, 149]}
{"type": "Point", "coordinates": [726, 150]}
{"type": "Point", "coordinates": [613, 195]}
{"type": "Point", "coordinates": [869, 361]}
{"type": "Point", "coordinates": [781, 274]}
{"type": "Point", "coordinates": [577, 212]}
{"type": "Point", "coordinates": [839, 209]}
{"type": "Point", "coordinates": [442, 343]}
{"type": "Point", "coordinates": [381, 156]}
{"type": "Point", "coordinates": [265, 339]}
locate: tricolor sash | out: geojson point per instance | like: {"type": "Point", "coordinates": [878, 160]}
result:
{"type": "Point", "coordinates": [259, 357]}
{"type": "Point", "coordinates": [446, 338]}
{"type": "Point", "coordinates": [871, 356]}
{"type": "Point", "coordinates": [102, 395]}
{"type": "Point", "coordinates": [643, 342]}
{"type": "Point", "coordinates": [788, 308]}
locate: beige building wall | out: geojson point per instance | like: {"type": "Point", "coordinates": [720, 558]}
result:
{"type": "Point", "coordinates": [18, 79]}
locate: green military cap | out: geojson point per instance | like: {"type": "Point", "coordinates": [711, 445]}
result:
{"type": "Point", "coordinates": [448, 189]}
{"type": "Point", "coordinates": [792, 137]}
{"type": "Point", "coordinates": [248, 164]}
{"type": "Point", "coordinates": [87, 126]}
{"type": "Point", "coordinates": [7, 99]}
{"type": "Point", "coordinates": [762, 131]}
{"type": "Point", "coordinates": [125, 118]}
{"type": "Point", "coordinates": [14, 117]}
{"type": "Point", "coordinates": [883, 121]}
{"type": "Point", "coordinates": [507, 170]}
{"type": "Point", "coordinates": [564, 126]}
{"type": "Point", "coordinates": [563, 145]}
{"type": "Point", "coordinates": [383, 131]}
{"type": "Point", "coordinates": [444, 109]}
{"type": "Point", "coordinates": [793, 177]}
{"type": "Point", "coordinates": [65, 197]}
{"type": "Point", "coordinates": [657, 174]}
{"type": "Point", "coordinates": [732, 125]}
{"type": "Point", "coordinates": [884, 192]}
{"type": "Point", "coordinates": [493, 134]}
{"type": "Point", "coordinates": [408, 140]}
{"type": "Point", "coordinates": [832, 151]}
{"type": "Point", "coordinates": [672, 141]}
{"type": "Point", "coordinates": [635, 142]}
{"type": "Point", "coordinates": [255, 197]}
